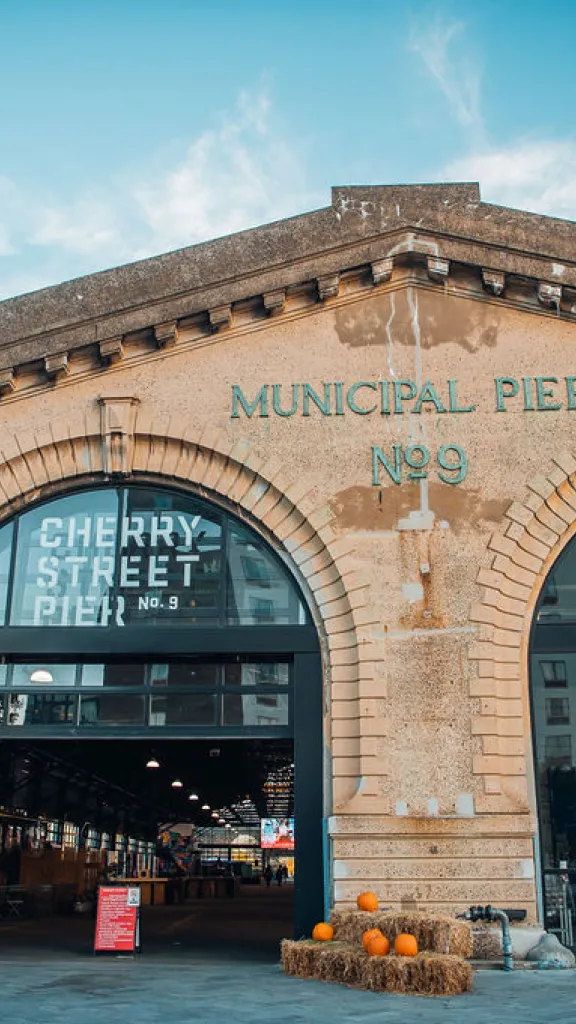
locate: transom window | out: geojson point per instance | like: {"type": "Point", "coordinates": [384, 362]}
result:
{"type": "Point", "coordinates": [134, 556]}
{"type": "Point", "coordinates": [245, 694]}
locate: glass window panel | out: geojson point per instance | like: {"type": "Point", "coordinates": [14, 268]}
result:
{"type": "Point", "coordinates": [553, 673]}
{"type": "Point", "coordinates": [257, 674]}
{"type": "Point", "coordinates": [3, 674]}
{"type": "Point", "coordinates": [259, 590]}
{"type": "Point", "coordinates": [255, 709]}
{"type": "Point", "coordinates": [139, 556]}
{"type": "Point", "coordinates": [6, 537]}
{"type": "Point", "coordinates": [42, 709]}
{"type": "Point", "coordinates": [43, 674]}
{"type": "Point", "coordinates": [170, 558]}
{"type": "Point", "coordinates": [183, 709]}
{"type": "Point", "coordinates": [557, 711]}
{"type": "Point", "coordinates": [553, 692]}
{"type": "Point", "coordinates": [65, 562]}
{"type": "Point", "coordinates": [116, 709]}
{"type": "Point", "coordinates": [113, 675]}
{"type": "Point", "coordinates": [185, 674]}
{"type": "Point", "coordinates": [557, 601]}
{"type": "Point", "coordinates": [558, 750]}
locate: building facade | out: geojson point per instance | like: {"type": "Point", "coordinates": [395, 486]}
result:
{"type": "Point", "coordinates": [384, 390]}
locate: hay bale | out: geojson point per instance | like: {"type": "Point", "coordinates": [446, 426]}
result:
{"type": "Point", "coordinates": [350, 925]}
{"type": "Point", "coordinates": [426, 974]}
{"type": "Point", "coordinates": [299, 958]}
{"type": "Point", "coordinates": [341, 963]}
{"type": "Point", "coordinates": [437, 933]}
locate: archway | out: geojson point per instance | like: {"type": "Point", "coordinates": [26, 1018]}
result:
{"type": "Point", "coordinates": [112, 598]}
{"type": "Point", "coordinates": [553, 706]}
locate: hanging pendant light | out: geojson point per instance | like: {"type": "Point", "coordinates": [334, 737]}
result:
{"type": "Point", "coordinates": [41, 675]}
{"type": "Point", "coordinates": [152, 762]}
{"type": "Point", "coordinates": [177, 784]}
{"type": "Point", "coordinates": [193, 796]}
{"type": "Point", "coordinates": [205, 807]}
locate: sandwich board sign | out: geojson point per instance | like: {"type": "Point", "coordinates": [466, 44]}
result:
{"type": "Point", "coordinates": [118, 920]}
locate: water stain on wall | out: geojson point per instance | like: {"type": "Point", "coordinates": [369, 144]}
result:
{"type": "Point", "coordinates": [373, 508]}
{"type": "Point", "coordinates": [443, 320]}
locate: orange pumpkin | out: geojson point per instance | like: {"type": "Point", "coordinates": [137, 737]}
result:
{"type": "Point", "coordinates": [367, 901]}
{"type": "Point", "coordinates": [405, 945]}
{"type": "Point", "coordinates": [378, 945]}
{"type": "Point", "coordinates": [370, 934]}
{"type": "Point", "coordinates": [323, 932]}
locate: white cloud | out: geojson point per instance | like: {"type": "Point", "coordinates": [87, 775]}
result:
{"type": "Point", "coordinates": [230, 178]}
{"type": "Point", "coordinates": [238, 174]}
{"type": "Point", "coordinates": [530, 175]}
{"type": "Point", "coordinates": [6, 247]}
{"type": "Point", "coordinates": [86, 226]}
{"type": "Point", "coordinates": [457, 76]}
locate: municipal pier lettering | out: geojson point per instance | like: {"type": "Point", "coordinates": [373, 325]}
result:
{"type": "Point", "coordinates": [363, 398]}
{"type": "Point", "coordinates": [415, 463]}
{"type": "Point", "coordinates": [399, 463]}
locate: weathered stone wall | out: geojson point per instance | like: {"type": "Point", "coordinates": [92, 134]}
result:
{"type": "Point", "coordinates": [424, 630]}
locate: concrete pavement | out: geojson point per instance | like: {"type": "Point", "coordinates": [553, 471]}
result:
{"type": "Point", "coordinates": [208, 992]}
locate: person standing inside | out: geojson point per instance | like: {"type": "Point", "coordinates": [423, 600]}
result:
{"type": "Point", "coordinates": [267, 875]}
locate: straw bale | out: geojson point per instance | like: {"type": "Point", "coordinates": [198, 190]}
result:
{"type": "Point", "coordinates": [426, 974]}
{"type": "Point", "coordinates": [299, 957]}
{"type": "Point", "coordinates": [341, 963]}
{"type": "Point", "coordinates": [437, 933]}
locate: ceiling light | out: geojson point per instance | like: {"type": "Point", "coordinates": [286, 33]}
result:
{"type": "Point", "coordinates": [227, 826]}
{"type": "Point", "coordinates": [177, 784]}
{"type": "Point", "coordinates": [205, 807]}
{"type": "Point", "coordinates": [193, 796]}
{"type": "Point", "coordinates": [221, 821]}
{"type": "Point", "coordinates": [152, 763]}
{"type": "Point", "coordinates": [41, 675]}
{"type": "Point", "coordinates": [214, 814]}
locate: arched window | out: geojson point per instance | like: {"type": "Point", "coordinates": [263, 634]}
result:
{"type": "Point", "coordinates": [137, 611]}
{"type": "Point", "coordinates": [553, 703]}
{"type": "Point", "coordinates": [134, 556]}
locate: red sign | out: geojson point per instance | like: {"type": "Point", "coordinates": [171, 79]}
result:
{"type": "Point", "coordinates": [117, 919]}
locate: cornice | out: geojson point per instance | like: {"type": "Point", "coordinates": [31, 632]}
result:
{"type": "Point", "coordinates": [371, 238]}
{"type": "Point", "coordinates": [409, 267]}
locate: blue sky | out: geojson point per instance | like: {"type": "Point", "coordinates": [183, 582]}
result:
{"type": "Point", "coordinates": [128, 129]}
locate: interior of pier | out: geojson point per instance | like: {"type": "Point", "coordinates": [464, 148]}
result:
{"type": "Point", "coordinates": [204, 828]}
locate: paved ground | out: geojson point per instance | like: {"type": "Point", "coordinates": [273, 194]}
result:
{"type": "Point", "coordinates": [122, 992]}
{"type": "Point", "coordinates": [210, 963]}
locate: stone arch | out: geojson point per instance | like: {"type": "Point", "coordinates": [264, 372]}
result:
{"type": "Point", "coordinates": [521, 553]}
{"type": "Point", "coordinates": [118, 440]}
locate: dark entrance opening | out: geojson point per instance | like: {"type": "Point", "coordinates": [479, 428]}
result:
{"type": "Point", "coordinates": [130, 614]}
{"type": "Point", "coordinates": [201, 834]}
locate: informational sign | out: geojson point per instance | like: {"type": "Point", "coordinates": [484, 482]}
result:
{"type": "Point", "coordinates": [277, 833]}
{"type": "Point", "coordinates": [118, 920]}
